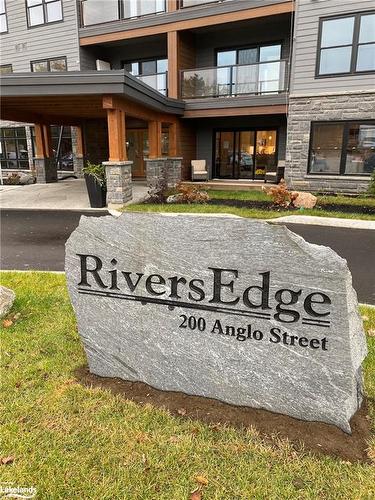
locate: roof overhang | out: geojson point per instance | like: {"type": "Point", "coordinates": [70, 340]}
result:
{"type": "Point", "coordinates": [78, 95]}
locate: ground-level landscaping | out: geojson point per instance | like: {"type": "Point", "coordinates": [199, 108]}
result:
{"type": "Point", "coordinates": [71, 436]}
{"type": "Point", "coordinates": [257, 204]}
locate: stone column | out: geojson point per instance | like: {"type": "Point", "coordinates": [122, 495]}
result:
{"type": "Point", "coordinates": [78, 151]}
{"type": "Point", "coordinates": [119, 182]}
{"type": "Point", "coordinates": [45, 164]}
{"type": "Point", "coordinates": [165, 169]}
{"type": "Point", "coordinates": [46, 170]}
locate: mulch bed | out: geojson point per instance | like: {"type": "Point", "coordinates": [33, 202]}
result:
{"type": "Point", "coordinates": [316, 437]}
{"type": "Point", "coordinates": [268, 205]}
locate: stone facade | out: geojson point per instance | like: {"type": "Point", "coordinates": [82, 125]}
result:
{"type": "Point", "coordinates": [46, 170]}
{"type": "Point", "coordinates": [119, 182]}
{"type": "Point", "coordinates": [305, 110]}
{"type": "Point", "coordinates": [168, 168]}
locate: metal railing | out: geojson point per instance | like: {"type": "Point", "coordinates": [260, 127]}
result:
{"type": "Point", "coordinates": [157, 81]}
{"type": "Point", "coordinates": [241, 79]}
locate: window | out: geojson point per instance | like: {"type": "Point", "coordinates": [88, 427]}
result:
{"type": "Point", "coordinates": [346, 45]}
{"type": "Point", "coordinates": [56, 64]}
{"type": "Point", "coordinates": [250, 70]}
{"type": "Point", "coordinates": [6, 69]}
{"type": "Point", "coordinates": [13, 148]}
{"type": "Point", "coordinates": [99, 11]}
{"type": "Point", "coordinates": [153, 72]}
{"type": "Point", "coordinates": [43, 12]}
{"type": "Point", "coordinates": [3, 17]}
{"type": "Point", "coordinates": [342, 148]}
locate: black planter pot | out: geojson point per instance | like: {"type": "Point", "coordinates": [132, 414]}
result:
{"type": "Point", "coordinates": [97, 193]}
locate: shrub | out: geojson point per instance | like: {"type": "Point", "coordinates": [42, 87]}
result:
{"type": "Point", "coordinates": [97, 171]}
{"type": "Point", "coordinates": [280, 194]}
{"type": "Point", "coordinates": [191, 194]}
{"type": "Point", "coordinates": [158, 192]}
{"type": "Point", "coordinates": [371, 188]}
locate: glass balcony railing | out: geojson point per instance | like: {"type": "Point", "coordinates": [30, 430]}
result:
{"type": "Point", "coordinates": [229, 81]}
{"type": "Point", "coordinates": [158, 81]}
{"type": "Point", "coordinates": [100, 11]}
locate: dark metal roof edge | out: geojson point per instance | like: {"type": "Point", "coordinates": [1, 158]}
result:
{"type": "Point", "coordinates": [236, 102]}
{"type": "Point", "coordinates": [118, 82]}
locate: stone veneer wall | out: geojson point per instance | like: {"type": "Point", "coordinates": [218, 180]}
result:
{"type": "Point", "coordinates": [303, 111]}
{"type": "Point", "coordinates": [168, 168]}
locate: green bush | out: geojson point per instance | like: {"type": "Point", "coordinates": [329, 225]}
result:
{"type": "Point", "coordinates": [371, 188]}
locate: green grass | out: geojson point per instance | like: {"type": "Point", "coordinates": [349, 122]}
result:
{"type": "Point", "coordinates": [256, 213]}
{"type": "Point", "coordinates": [75, 442]}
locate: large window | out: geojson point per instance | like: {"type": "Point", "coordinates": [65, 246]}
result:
{"type": "Point", "coordinates": [55, 64]}
{"type": "Point", "coordinates": [153, 72]}
{"type": "Point", "coordinates": [99, 11]}
{"type": "Point", "coordinates": [245, 154]}
{"type": "Point", "coordinates": [346, 45]}
{"type": "Point", "coordinates": [342, 148]}
{"type": "Point", "coordinates": [3, 17]}
{"type": "Point", "coordinates": [43, 12]}
{"type": "Point", "coordinates": [13, 148]}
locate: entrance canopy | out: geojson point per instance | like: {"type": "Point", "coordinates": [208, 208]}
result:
{"type": "Point", "coordinates": [76, 95]}
{"type": "Point", "coordinates": [70, 98]}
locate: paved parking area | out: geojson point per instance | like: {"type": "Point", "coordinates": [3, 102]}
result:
{"type": "Point", "coordinates": [68, 194]}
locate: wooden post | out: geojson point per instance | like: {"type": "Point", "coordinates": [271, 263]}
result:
{"type": "Point", "coordinates": [171, 5]}
{"type": "Point", "coordinates": [154, 139]}
{"type": "Point", "coordinates": [79, 142]}
{"type": "Point", "coordinates": [173, 140]}
{"type": "Point", "coordinates": [47, 141]}
{"type": "Point", "coordinates": [116, 135]}
{"type": "Point", "coordinates": [39, 141]}
{"type": "Point", "coordinates": [173, 66]}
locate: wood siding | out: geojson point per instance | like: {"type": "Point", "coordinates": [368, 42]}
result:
{"type": "Point", "coordinates": [307, 17]}
{"type": "Point", "coordinates": [22, 44]}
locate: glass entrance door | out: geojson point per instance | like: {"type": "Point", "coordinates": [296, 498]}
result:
{"type": "Point", "coordinates": [245, 154]}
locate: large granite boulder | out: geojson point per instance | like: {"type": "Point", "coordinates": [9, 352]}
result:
{"type": "Point", "coordinates": [228, 308]}
{"type": "Point", "coordinates": [7, 298]}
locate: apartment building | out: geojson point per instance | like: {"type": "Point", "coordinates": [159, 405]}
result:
{"type": "Point", "coordinates": [245, 85]}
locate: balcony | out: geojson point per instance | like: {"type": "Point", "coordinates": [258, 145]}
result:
{"type": "Point", "coordinates": [97, 11]}
{"type": "Point", "coordinates": [194, 3]}
{"type": "Point", "coordinates": [157, 81]}
{"type": "Point", "coordinates": [237, 80]}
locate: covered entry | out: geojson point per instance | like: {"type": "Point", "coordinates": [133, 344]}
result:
{"type": "Point", "coordinates": [102, 106]}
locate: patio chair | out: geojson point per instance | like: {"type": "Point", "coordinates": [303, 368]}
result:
{"type": "Point", "coordinates": [198, 170]}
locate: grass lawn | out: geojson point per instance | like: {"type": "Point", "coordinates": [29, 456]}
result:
{"type": "Point", "coordinates": [77, 442]}
{"type": "Point", "coordinates": [259, 213]}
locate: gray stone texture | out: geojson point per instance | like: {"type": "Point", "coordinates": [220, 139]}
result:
{"type": "Point", "coordinates": [7, 297]}
{"type": "Point", "coordinates": [143, 341]}
{"type": "Point", "coordinates": [167, 168]}
{"type": "Point", "coordinates": [303, 111]}
{"type": "Point", "coordinates": [46, 170]}
{"type": "Point", "coordinates": [119, 182]}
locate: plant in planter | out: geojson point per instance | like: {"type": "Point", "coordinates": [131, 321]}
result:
{"type": "Point", "coordinates": [96, 184]}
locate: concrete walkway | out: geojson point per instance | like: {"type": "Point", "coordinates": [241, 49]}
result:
{"type": "Point", "coordinates": [68, 194]}
{"type": "Point", "coordinates": [325, 221]}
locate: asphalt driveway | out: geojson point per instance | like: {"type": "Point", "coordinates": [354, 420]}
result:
{"type": "Point", "coordinates": [35, 239]}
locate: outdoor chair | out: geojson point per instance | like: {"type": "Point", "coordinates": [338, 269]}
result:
{"type": "Point", "coordinates": [198, 170]}
{"type": "Point", "coordinates": [276, 175]}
